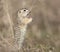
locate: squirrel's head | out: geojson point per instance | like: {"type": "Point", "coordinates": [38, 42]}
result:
{"type": "Point", "coordinates": [23, 16]}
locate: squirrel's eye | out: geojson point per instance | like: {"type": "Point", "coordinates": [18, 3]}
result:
{"type": "Point", "coordinates": [24, 10]}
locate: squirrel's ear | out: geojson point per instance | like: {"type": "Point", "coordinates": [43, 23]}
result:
{"type": "Point", "coordinates": [19, 11]}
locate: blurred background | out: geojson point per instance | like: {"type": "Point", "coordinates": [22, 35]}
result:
{"type": "Point", "coordinates": [43, 33]}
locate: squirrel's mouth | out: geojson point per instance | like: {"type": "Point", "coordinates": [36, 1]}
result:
{"type": "Point", "coordinates": [29, 15]}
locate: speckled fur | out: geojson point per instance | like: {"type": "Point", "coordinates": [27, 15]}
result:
{"type": "Point", "coordinates": [20, 28]}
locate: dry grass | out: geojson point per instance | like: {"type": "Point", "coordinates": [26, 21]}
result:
{"type": "Point", "coordinates": [43, 34]}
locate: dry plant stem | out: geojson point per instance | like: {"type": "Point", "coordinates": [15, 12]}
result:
{"type": "Point", "coordinates": [42, 48]}
{"type": "Point", "coordinates": [6, 9]}
{"type": "Point", "coordinates": [4, 40]}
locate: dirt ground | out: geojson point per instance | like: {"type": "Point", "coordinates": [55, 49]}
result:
{"type": "Point", "coordinates": [43, 34]}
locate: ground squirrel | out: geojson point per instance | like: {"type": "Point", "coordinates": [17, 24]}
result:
{"type": "Point", "coordinates": [23, 21]}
